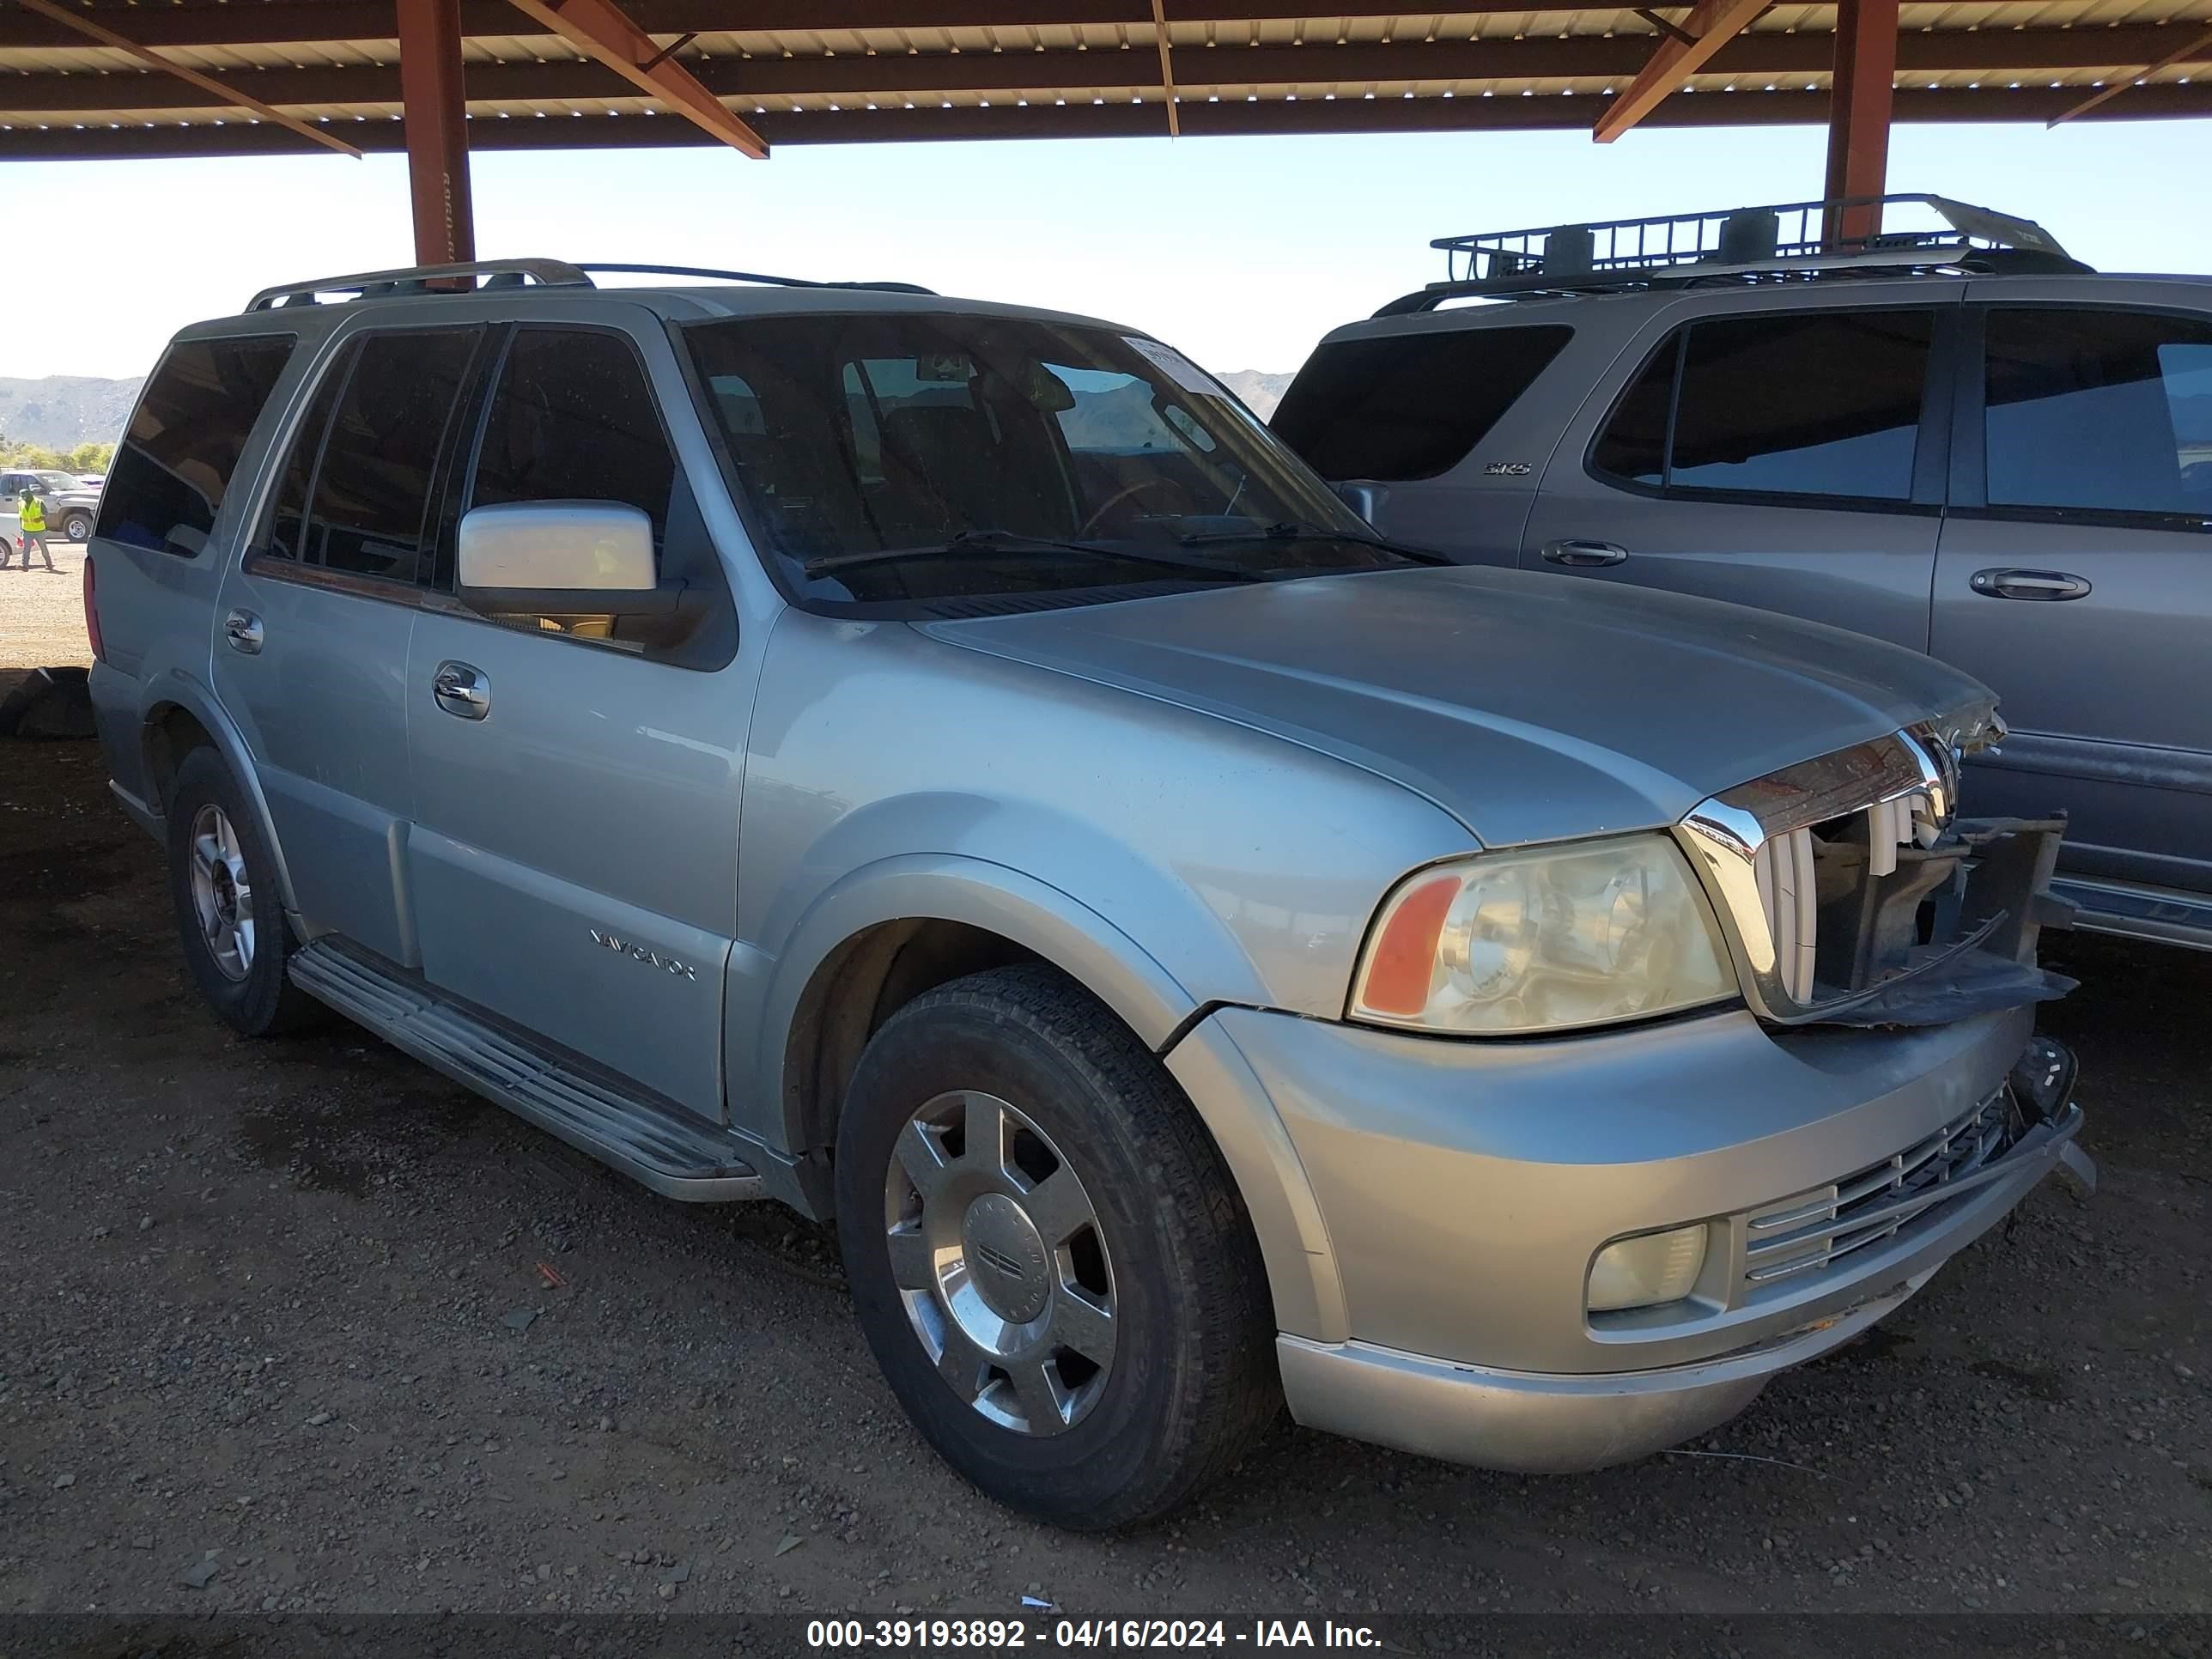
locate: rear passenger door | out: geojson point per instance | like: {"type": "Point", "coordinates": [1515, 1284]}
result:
{"type": "Point", "coordinates": [575, 855]}
{"type": "Point", "coordinates": [2076, 575]}
{"type": "Point", "coordinates": [312, 626]}
{"type": "Point", "coordinates": [1789, 459]}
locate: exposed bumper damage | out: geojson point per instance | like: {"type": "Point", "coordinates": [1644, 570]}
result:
{"type": "Point", "coordinates": [1951, 930]}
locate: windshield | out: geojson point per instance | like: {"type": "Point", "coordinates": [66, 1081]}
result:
{"type": "Point", "coordinates": [57, 480]}
{"type": "Point", "coordinates": [926, 456]}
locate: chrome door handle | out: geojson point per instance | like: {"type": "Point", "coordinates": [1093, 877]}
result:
{"type": "Point", "coordinates": [1584, 553]}
{"type": "Point", "coordinates": [462, 691]}
{"type": "Point", "coordinates": [242, 629]}
{"type": "Point", "coordinates": [2028, 584]}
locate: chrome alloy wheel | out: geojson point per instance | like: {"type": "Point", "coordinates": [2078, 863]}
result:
{"type": "Point", "coordinates": [1001, 1261]}
{"type": "Point", "coordinates": [222, 892]}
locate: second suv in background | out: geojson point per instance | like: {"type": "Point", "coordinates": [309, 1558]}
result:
{"type": "Point", "coordinates": [1960, 439]}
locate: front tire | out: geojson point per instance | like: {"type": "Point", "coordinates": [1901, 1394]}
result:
{"type": "Point", "coordinates": [1047, 1254]}
{"type": "Point", "coordinates": [230, 918]}
{"type": "Point", "coordinates": [77, 527]}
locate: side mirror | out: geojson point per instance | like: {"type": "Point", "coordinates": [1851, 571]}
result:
{"type": "Point", "coordinates": [1364, 499]}
{"type": "Point", "coordinates": [602, 547]}
{"type": "Point", "coordinates": [573, 559]}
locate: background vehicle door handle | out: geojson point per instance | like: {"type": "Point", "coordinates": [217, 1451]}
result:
{"type": "Point", "coordinates": [2028, 584]}
{"type": "Point", "coordinates": [242, 629]}
{"type": "Point", "coordinates": [1584, 553]}
{"type": "Point", "coordinates": [462, 691]}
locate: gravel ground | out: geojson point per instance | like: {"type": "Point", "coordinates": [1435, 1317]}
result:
{"type": "Point", "coordinates": [300, 1326]}
{"type": "Point", "coordinates": [42, 614]}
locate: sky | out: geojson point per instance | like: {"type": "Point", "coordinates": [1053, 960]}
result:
{"type": "Point", "coordinates": [1242, 252]}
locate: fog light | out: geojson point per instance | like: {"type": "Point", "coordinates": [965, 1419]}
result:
{"type": "Point", "coordinates": [1642, 1272]}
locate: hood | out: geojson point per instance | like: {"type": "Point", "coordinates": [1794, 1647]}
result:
{"type": "Point", "coordinates": [1530, 706]}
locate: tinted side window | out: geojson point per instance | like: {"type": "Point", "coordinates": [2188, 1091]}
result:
{"type": "Point", "coordinates": [371, 510]}
{"type": "Point", "coordinates": [574, 420]}
{"type": "Point", "coordinates": [572, 417]}
{"type": "Point", "coordinates": [1821, 405]}
{"type": "Point", "coordinates": [1409, 405]}
{"type": "Point", "coordinates": [284, 539]}
{"type": "Point", "coordinates": [1633, 445]}
{"type": "Point", "coordinates": [1815, 404]}
{"type": "Point", "coordinates": [2106, 410]}
{"type": "Point", "coordinates": [185, 439]}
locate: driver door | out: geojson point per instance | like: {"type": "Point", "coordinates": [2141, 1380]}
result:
{"type": "Point", "coordinates": [575, 856]}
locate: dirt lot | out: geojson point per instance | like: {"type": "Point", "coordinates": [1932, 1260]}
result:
{"type": "Point", "coordinates": [42, 614]}
{"type": "Point", "coordinates": [300, 1326]}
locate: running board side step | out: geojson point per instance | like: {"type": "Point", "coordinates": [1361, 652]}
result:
{"type": "Point", "coordinates": [2158, 915]}
{"type": "Point", "coordinates": [654, 1142]}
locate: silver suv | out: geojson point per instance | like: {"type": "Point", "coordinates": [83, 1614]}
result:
{"type": "Point", "coordinates": [944, 767]}
{"type": "Point", "coordinates": [1963, 441]}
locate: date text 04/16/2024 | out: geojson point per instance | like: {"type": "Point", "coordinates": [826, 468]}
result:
{"type": "Point", "coordinates": [937, 1634]}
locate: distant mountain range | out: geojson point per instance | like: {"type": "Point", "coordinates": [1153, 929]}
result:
{"type": "Point", "coordinates": [64, 411]}
{"type": "Point", "coordinates": [1260, 389]}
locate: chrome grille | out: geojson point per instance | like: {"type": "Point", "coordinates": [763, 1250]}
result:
{"type": "Point", "coordinates": [1783, 869]}
{"type": "Point", "coordinates": [1809, 1231]}
{"type": "Point", "coordinates": [1821, 871]}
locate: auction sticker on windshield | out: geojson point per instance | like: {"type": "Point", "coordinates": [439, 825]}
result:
{"type": "Point", "coordinates": [1176, 366]}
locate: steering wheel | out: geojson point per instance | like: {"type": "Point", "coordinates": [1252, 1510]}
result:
{"type": "Point", "coordinates": [1136, 488]}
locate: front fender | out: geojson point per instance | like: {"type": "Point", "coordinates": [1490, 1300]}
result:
{"type": "Point", "coordinates": [938, 887]}
{"type": "Point", "coordinates": [1063, 931]}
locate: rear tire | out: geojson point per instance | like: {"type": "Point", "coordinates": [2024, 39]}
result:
{"type": "Point", "coordinates": [1074, 1310]}
{"type": "Point", "coordinates": [230, 918]}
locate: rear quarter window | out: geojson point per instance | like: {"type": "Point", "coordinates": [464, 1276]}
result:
{"type": "Point", "coordinates": [1410, 405]}
{"type": "Point", "coordinates": [184, 438]}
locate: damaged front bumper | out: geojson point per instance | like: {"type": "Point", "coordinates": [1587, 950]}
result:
{"type": "Point", "coordinates": [1851, 894]}
{"type": "Point", "coordinates": [1981, 892]}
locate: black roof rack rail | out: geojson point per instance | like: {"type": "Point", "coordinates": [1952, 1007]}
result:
{"type": "Point", "coordinates": [419, 279]}
{"type": "Point", "coordinates": [752, 276]}
{"type": "Point", "coordinates": [1788, 241]}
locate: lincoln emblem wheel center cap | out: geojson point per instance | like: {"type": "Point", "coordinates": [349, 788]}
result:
{"type": "Point", "coordinates": [1007, 1262]}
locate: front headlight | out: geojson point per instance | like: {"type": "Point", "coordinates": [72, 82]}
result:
{"type": "Point", "coordinates": [1543, 939]}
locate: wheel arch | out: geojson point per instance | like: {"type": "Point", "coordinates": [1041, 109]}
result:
{"type": "Point", "coordinates": [889, 932]}
{"type": "Point", "coordinates": [178, 716]}
{"type": "Point", "coordinates": [950, 917]}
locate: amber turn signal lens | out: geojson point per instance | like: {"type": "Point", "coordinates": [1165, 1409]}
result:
{"type": "Point", "coordinates": [1404, 958]}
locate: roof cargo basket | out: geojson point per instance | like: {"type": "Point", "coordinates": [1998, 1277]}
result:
{"type": "Point", "coordinates": [1790, 241]}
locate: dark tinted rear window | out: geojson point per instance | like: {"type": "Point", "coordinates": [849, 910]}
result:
{"type": "Point", "coordinates": [185, 439]}
{"type": "Point", "coordinates": [1409, 405]}
{"type": "Point", "coordinates": [1818, 406]}
{"type": "Point", "coordinates": [1810, 403]}
{"type": "Point", "coordinates": [1633, 445]}
{"type": "Point", "coordinates": [370, 512]}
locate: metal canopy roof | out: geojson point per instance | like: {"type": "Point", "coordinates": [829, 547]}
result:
{"type": "Point", "coordinates": [830, 71]}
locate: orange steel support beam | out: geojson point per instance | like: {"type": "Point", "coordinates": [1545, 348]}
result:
{"type": "Point", "coordinates": [230, 95]}
{"type": "Point", "coordinates": [436, 112]}
{"type": "Point", "coordinates": [1711, 24]}
{"type": "Point", "coordinates": [2196, 50]}
{"type": "Point", "coordinates": [1859, 112]}
{"type": "Point", "coordinates": [601, 28]}
{"type": "Point", "coordinates": [1167, 69]}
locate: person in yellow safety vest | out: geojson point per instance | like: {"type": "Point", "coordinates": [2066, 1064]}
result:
{"type": "Point", "coordinates": [34, 526]}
